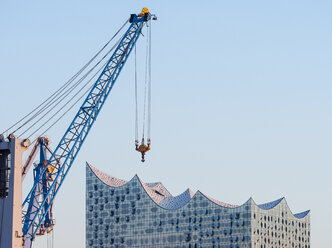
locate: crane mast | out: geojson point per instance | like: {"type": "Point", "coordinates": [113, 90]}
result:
{"type": "Point", "coordinates": [52, 173]}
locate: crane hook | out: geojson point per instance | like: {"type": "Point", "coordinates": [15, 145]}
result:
{"type": "Point", "coordinates": [143, 148]}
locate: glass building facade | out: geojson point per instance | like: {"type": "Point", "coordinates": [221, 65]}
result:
{"type": "Point", "coordinates": [136, 214]}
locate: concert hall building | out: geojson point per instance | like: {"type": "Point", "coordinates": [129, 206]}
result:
{"type": "Point", "coordinates": [132, 214]}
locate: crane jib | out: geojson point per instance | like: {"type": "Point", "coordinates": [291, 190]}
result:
{"type": "Point", "coordinates": [70, 144]}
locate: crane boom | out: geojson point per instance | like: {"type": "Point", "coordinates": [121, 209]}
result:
{"type": "Point", "coordinates": [71, 142]}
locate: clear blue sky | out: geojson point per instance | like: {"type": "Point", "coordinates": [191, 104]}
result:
{"type": "Point", "coordinates": [241, 99]}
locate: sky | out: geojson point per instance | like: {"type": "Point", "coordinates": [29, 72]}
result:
{"type": "Point", "coordinates": [241, 99]}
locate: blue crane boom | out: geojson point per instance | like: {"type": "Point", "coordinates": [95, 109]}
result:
{"type": "Point", "coordinates": [35, 210]}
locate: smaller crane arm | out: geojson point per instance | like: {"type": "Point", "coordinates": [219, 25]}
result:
{"type": "Point", "coordinates": [30, 159]}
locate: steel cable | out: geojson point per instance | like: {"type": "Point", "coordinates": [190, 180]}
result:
{"type": "Point", "coordinates": [47, 101]}
{"type": "Point", "coordinates": [60, 99]}
{"type": "Point", "coordinates": [63, 106]}
{"type": "Point", "coordinates": [146, 82]}
{"type": "Point", "coordinates": [149, 86]}
{"type": "Point", "coordinates": [136, 104]}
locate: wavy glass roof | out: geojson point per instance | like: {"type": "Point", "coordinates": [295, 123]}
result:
{"type": "Point", "coordinates": [270, 205]}
{"type": "Point", "coordinates": [302, 215]}
{"type": "Point", "coordinates": [161, 196]}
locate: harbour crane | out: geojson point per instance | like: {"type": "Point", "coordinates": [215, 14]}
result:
{"type": "Point", "coordinates": [21, 223]}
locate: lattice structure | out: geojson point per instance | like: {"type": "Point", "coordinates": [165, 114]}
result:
{"type": "Point", "coordinates": [34, 209]}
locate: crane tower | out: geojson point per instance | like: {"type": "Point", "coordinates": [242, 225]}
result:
{"type": "Point", "coordinates": [11, 152]}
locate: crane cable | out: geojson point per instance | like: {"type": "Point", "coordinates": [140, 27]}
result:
{"type": "Point", "coordinates": [149, 92]}
{"type": "Point", "coordinates": [50, 238]}
{"type": "Point", "coordinates": [50, 100]}
{"type": "Point", "coordinates": [70, 90]}
{"type": "Point", "coordinates": [136, 104]}
{"type": "Point", "coordinates": [72, 98]}
{"type": "Point", "coordinates": [57, 120]}
{"type": "Point", "coordinates": [146, 119]}
{"type": "Point", "coordinates": [148, 84]}
{"type": "Point", "coordinates": [79, 98]}
{"type": "Point", "coordinates": [145, 83]}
